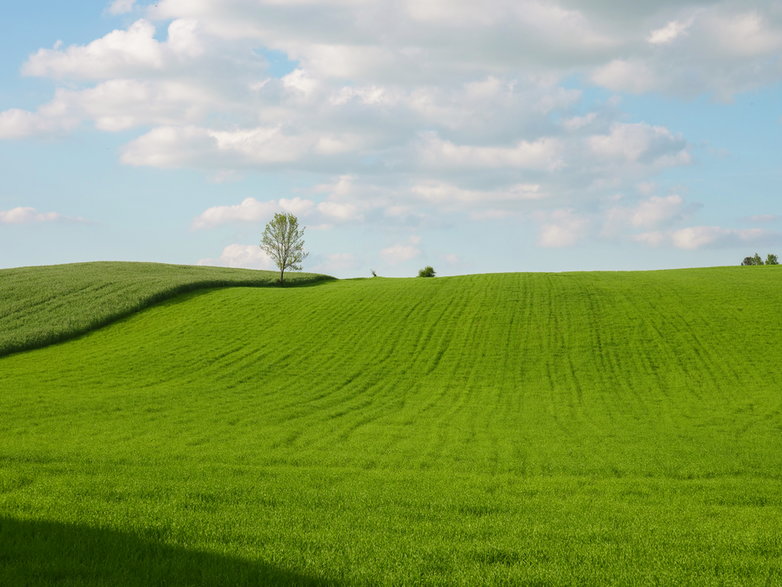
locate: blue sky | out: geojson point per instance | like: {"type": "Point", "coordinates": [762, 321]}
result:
{"type": "Point", "coordinates": [522, 135]}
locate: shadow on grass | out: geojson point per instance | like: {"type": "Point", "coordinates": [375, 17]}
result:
{"type": "Point", "coordinates": [47, 553]}
{"type": "Point", "coordinates": [47, 337]}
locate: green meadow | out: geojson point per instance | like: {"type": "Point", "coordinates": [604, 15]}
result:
{"type": "Point", "coordinates": [530, 428]}
{"type": "Point", "coordinates": [43, 305]}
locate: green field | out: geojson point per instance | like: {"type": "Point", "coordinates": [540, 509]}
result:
{"type": "Point", "coordinates": [43, 305]}
{"type": "Point", "coordinates": [576, 428]}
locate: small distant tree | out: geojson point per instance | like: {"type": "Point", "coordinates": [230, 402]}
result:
{"type": "Point", "coordinates": [282, 241]}
{"type": "Point", "coordinates": [757, 260]}
{"type": "Point", "coordinates": [771, 259]}
{"type": "Point", "coordinates": [426, 272]}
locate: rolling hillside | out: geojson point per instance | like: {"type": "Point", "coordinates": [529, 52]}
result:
{"type": "Point", "coordinates": [609, 428]}
{"type": "Point", "coordinates": [42, 305]}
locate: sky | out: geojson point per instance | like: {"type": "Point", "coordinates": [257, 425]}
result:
{"type": "Point", "coordinates": [475, 137]}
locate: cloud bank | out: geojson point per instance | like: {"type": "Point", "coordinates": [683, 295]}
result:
{"type": "Point", "coordinates": [419, 108]}
{"type": "Point", "coordinates": [28, 215]}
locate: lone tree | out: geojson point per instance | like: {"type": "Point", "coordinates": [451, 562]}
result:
{"type": "Point", "coordinates": [282, 241]}
{"type": "Point", "coordinates": [427, 271]}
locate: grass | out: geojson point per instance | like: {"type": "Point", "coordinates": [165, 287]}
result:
{"type": "Point", "coordinates": [583, 428]}
{"type": "Point", "coordinates": [43, 305]}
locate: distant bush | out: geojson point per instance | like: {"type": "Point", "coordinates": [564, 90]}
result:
{"type": "Point", "coordinates": [426, 272]}
{"type": "Point", "coordinates": [771, 259]}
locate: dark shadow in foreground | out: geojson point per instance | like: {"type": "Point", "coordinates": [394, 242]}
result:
{"type": "Point", "coordinates": [48, 553]}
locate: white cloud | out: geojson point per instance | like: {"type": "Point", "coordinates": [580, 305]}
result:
{"type": "Point", "coordinates": [123, 104]}
{"type": "Point", "coordinates": [657, 210]}
{"type": "Point", "coordinates": [626, 75]}
{"type": "Point", "coordinates": [449, 12]}
{"type": "Point", "coordinates": [563, 228]}
{"type": "Point", "coordinates": [210, 105]}
{"type": "Point", "coordinates": [419, 41]}
{"type": "Point", "coordinates": [122, 6]}
{"type": "Point", "coordinates": [578, 122]}
{"type": "Point", "coordinates": [250, 210]}
{"type": "Point", "coordinates": [371, 94]}
{"type": "Point", "coordinates": [542, 154]}
{"type": "Point", "coordinates": [646, 187]}
{"type": "Point", "coordinates": [123, 54]}
{"type": "Point", "coordinates": [28, 215]}
{"type": "Point", "coordinates": [490, 214]}
{"type": "Point", "coordinates": [119, 53]}
{"type": "Point", "coordinates": [641, 143]}
{"type": "Point", "coordinates": [16, 124]}
{"type": "Point", "coordinates": [696, 237]}
{"type": "Point", "coordinates": [115, 105]}
{"type": "Point", "coordinates": [184, 39]}
{"type": "Point", "coordinates": [440, 192]}
{"type": "Point", "coordinates": [652, 213]}
{"type": "Point", "coordinates": [241, 256]}
{"type": "Point", "coordinates": [348, 61]}
{"type": "Point", "coordinates": [413, 108]}
{"type": "Point", "coordinates": [699, 237]}
{"type": "Point", "coordinates": [652, 222]}
{"type": "Point", "coordinates": [669, 33]}
{"type": "Point", "coordinates": [344, 186]}
{"type": "Point", "coordinates": [340, 211]}
{"type": "Point", "coordinates": [653, 238]}
{"type": "Point", "coordinates": [744, 34]}
{"type": "Point", "coordinates": [320, 215]}
{"type": "Point", "coordinates": [337, 263]}
{"type": "Point", "coordinates": [722, 49]}
{"type": "Point", "coordinates": [299, 82]}
{"type": "Point", "coordinates": [399, 253]}
{"type": "Point", "coordinates": [172, 147]}
{"type": "Point", "coordinates": [260, 144]}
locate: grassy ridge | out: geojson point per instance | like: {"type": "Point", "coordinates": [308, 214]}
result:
{"type": "Point", "coordinates": [609, 428]}
{"type": "Point", "coordinates": [42, 305]}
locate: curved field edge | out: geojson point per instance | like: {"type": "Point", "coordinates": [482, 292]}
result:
{"type": "Point", "coordinates": [44, 305]}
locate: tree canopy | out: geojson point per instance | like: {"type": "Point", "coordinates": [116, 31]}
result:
{"type": "Point", "coordinates": [771, 259]}
{"type": "Point", "coordinates": [283, 241]}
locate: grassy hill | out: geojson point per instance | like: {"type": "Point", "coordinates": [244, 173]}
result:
{"type": "Point", "coordinates": [611, 428]}
{"type": "Point", "coordinates": [42, 305]}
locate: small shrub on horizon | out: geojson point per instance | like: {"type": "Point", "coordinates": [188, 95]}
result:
{"type": "Point", "coordinates": [427, 271]}
{"type": "Point", "coordinates": [771, 259]}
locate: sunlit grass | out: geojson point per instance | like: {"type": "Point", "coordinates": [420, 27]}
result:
{"type": "Point", "coordinates": [606, 428]}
